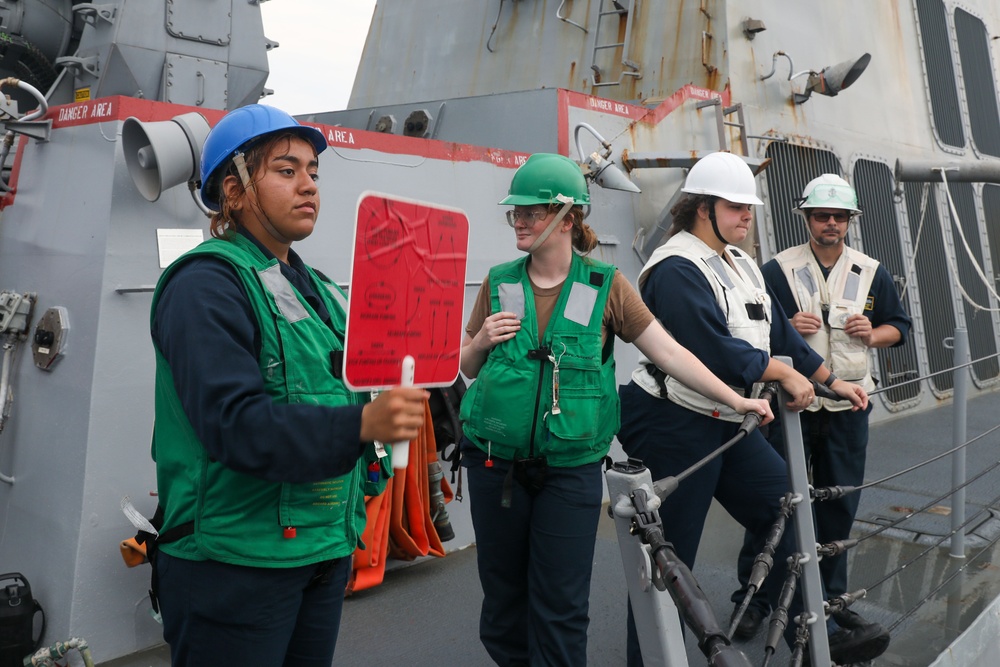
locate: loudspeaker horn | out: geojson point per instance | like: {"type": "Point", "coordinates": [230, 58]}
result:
{"type": "Point", "coordinates": [163, 154]}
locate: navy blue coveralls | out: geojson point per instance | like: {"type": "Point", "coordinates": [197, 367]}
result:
{"type": "Point", "coordinates": [750, 479]}
{"type": "Point", "coordinates": [835, 443]}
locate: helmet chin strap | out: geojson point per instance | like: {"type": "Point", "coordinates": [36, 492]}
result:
{"type": "Point", "coordinates": [715, 224]}
{"type": "Point", "coordinates": [241, 168]}
{"type": "Point", "coordinates": [567, 204]}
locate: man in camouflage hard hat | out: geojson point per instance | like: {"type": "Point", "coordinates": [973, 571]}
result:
{"type": "Point", "coordinates": [843, 303]}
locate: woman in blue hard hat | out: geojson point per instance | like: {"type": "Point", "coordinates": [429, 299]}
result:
{"type": "Point", "coordinates": [263, 457]}
{"type": "Point", "coordinates": [541, 414]}
{"type": "Point", "coordinates": [710, 296]}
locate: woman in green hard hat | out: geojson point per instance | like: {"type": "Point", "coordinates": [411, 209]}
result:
{"type": "Point", "coordinates": [543, 410]}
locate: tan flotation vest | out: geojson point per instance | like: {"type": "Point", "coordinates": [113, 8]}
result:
{"type": "Point", "coordinates": [743, 298]}
{"type": "Point", "coordinates": [834, 299]}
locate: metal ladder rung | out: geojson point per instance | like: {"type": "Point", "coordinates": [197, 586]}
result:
{"type": "Point", "coordinates": [720, 121]}
{"type": "Point", "coordinates": [620, 12]}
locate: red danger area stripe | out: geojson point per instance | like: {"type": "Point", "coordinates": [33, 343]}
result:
{"type": "Point", "coordinates": [119, 108]}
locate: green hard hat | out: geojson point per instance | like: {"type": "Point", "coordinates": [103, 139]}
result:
{"type": "Point", "coordinates": [543, 178]}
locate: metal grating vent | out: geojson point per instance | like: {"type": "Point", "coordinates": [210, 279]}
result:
{"type": "Point", "coordinates": [940, 72]}
{"type": "Point", "coordinates": [879, 228]}
{"type": "Point", "coordinates": [982, 338]}
{"type": "Point", "coordinates": [991, 213]}
{"type": "Point", "coordinates": [791, 168]}
{"type": "Point", "coordinates": [937, 309]}
{"type": "Point", "coordinates": [977, 72]}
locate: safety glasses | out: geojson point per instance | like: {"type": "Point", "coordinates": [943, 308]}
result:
{"type": "Point", "coordinates": [528, 216]}
{"type": "Point", "coordinates": [824, 216]}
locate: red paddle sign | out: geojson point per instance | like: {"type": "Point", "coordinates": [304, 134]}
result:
{"type": "Point", "coordinates": [407, 293]}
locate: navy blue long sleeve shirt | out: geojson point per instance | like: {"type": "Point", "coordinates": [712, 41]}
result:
{"type": "Point", "coordinates": [207, 331]}
{"type": "Point", "coordinates": [682, 299]}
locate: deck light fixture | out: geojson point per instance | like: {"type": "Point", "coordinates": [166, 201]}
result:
{"type": "Point", "coordinates": [599, 168]}
{"type": "Point", "coordinates": [829, 81]}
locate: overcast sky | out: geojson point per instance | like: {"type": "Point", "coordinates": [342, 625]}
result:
{"type": "Point", "coordinates": [320, 45]}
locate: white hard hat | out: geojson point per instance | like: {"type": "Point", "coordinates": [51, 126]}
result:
{"type": "Point", "coordinates": [828, 191]}
{"type": "Point", "coordinates": [723, 175]}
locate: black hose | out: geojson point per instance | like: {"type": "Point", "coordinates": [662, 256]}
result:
{"type": "Point", "coordinates": [690, 600]}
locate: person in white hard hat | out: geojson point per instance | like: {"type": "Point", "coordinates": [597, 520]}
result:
{"type": "Point", "coordinates": [711, 297]}
{"type": "Point", "coordinates": [844, 303]}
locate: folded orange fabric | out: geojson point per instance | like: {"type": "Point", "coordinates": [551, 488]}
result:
{"type": "Point", "coordinates": [133, 553]}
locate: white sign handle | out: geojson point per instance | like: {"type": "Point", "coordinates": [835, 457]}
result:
{"type": "Point", "coordinates": [401, 450]}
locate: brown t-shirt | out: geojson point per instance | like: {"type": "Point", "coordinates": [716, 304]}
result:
{"type": "Point", "coordinates": [625, 314]}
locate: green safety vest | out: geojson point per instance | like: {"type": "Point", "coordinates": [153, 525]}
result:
{"type": "Point", "coordinates": [510, 410]}
{"type": "Point", "coordinates": [238, 518]}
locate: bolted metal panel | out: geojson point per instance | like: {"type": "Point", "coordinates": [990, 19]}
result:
{"type": "Point", "coordinates": [197, 82]}
{"type": "Point", "coordinates": [938, 64]}
{"type": "Point", "coordinates": [791, 168]}
{"type": "Point", "coordinates": [207, 21]}
{"type": "Point", "coordinates": [937, 307]}
{"type": "Point", "coordinates": [879, 227]}
{"type": "Point", "coordinates": [982, 337]}
{"type": "Point", "coordinates": [977, 72]}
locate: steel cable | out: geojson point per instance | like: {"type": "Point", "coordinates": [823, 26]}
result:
{"type": "Point", "coordinates": [876, 392]}
{"type": "Point", "coordinates": [933, 546]}
{"type": "Point", "coordinates": [986, 549]}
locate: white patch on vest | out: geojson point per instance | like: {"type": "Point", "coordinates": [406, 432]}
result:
{"type": "Point", "coordinates": [511, 298]}
{"type": "Point", "coordinates": [580, 305]}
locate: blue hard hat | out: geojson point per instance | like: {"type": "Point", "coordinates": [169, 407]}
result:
{"type": "Point", "coordinates": [240, 129]}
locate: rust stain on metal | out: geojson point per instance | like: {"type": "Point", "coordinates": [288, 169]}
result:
{"type": "Point", "coordinates": [712, 79]}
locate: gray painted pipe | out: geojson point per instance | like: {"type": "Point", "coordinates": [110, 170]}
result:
{"type": "Point", "coordinates": [967, 171]}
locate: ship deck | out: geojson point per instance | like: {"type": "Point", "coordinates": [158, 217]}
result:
{"type": "Point", "coordinates": [426, 612]}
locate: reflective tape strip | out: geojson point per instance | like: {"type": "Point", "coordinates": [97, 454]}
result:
{"type": "Point", "coordinates": [338, 296]}
{"type": "Point", "coordinates": [851, 286]}
{"type": "Point", "coordinates": [284, 296]}
{"type": "Point", "coordinates": [805, 277]}
{"type": "Point", "coordinates": [715, 263]}
{"type": "Point", "coordinates": [748, 271]}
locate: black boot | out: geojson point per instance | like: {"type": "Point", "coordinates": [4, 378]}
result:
{"type": "Point", "coordinates": [858, 640]}
{"type": "Point", "coordinates": [752, 619]}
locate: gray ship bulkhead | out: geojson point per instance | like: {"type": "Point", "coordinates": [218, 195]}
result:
{"type": "Point", "coordinates": [446, 119]}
